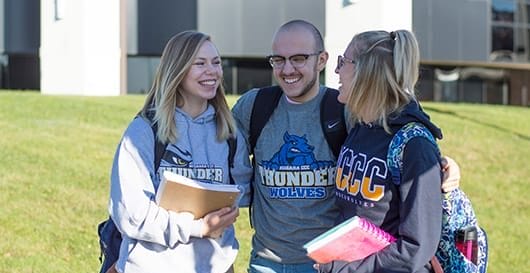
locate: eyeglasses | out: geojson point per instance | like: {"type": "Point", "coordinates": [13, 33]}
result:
{"type": "Point", "coordinates": [341, 60]}
{"type": "Point", "coordinates": [297, 61]}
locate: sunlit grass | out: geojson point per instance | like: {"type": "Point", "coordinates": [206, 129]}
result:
{"type": "Point", "coordinates": [56, 152]}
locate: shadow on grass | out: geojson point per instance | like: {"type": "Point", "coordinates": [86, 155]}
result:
{"type": "Point", "coordinates": [494, 126]}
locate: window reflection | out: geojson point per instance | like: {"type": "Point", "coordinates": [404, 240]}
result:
{"type": "Point", "coordinates": [503, 10]}
{"type": "Point", "coordinates": [510, 26]}
{"type": "Point", "coordinates": [502, 38]}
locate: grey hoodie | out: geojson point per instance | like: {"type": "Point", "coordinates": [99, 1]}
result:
{"type": "Point", "coordinates": [157, 240]}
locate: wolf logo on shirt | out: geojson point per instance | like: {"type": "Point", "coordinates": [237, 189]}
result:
{"type": "Point", "coordinates": [295, 152]}
{"type": "Point", "coordinates": [293, 172]}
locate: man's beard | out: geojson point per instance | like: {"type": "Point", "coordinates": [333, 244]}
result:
{"type": "Point", "coordinates": [310, 84]}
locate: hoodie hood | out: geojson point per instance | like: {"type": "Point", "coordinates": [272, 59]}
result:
{"type": "Point", "coordinates": [206, 116]}
{"type": "Point", "coordinates": [413, 113]}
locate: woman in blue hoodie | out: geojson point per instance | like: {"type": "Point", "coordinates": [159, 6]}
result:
{"type": "Point", "coordinates": [378, 72]}
{"type": "Point", "coordinates": [194, 120]}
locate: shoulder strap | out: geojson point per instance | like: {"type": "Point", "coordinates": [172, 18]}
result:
{"type": "Point", "coordinates": [232, 146]}
{"type": "Point", "coordinates": [397, 145]}
{"type": "Point", "coordinates": [332, 120]}
{"type": "Point", "coordinates": [160, 147]}
{"type": "Point", "coordinates": [266, 101]}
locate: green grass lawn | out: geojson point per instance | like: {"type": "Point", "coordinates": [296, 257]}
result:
{"type": "Point", "coordinates": [56, 153]}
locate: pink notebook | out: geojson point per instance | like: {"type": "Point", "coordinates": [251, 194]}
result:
{"type": "Point", "coordinates": [353, 239]}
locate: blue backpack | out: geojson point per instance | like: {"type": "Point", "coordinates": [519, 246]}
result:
{"type": "Point", "coordinates": [457, 212]}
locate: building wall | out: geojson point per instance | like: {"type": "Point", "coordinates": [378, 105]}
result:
{"type": "Point", "coordinates": [241, 29]}
{"type": "Point", "coordinates": [248, 25]}
{"type": "Point", "coordinates": [153, 23]}
{"type": "Point", "coordinates": [101, 47]}
{"type": "Point", "coordinates": [19, 44]}
{"type": "Point", "coordinates": [80, 50]}
{"type": "Point", "coordinates": [519, 85]}
{"type": "Point", "coordinates": [19, 32]}
{"type": "Point", "coordinates": [150, 24]}
{"type": "Point", "coordinates": [346, 18]}
{"type": "Point", "coordinates": [452, 29]}
{"type": "Point", "coordinates": [245, 37]}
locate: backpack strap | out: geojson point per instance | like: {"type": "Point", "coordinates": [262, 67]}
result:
{"type": "Point", "coordinates": [395, 160]}
{"type": "Point", "coordinates": [232, 147]}
{"type": "Point", "coordinates": [394, 157]}
{"type": "Point", "coordinates": [264, 105]}
{"type": "Point", "coordinates": [332, 120]}
{"type": "Point", "coordinates": [160, 147]}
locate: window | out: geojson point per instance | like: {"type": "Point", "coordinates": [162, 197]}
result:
{"type": "Point", "coordinates": [510, 32]}
{"type": "Point", "coordinates": [502, 10]}
{"type": "Point", "coordinates": [502, 38]}
{"type": "Point", "coordinates": [241, 75]}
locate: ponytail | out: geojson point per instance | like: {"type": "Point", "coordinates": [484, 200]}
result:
{"type": "Point", "coordinates": [406, 59]}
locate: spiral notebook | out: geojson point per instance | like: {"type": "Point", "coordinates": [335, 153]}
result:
{"type": "Point", "coordinates": [353, 239]}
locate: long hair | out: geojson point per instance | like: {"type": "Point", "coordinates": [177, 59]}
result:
{"type": "Point", "coordinates": [166, 91]}
{"type": "Point", "coordinates": [386, 71]}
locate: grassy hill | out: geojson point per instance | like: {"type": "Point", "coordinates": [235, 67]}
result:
{"type": "Point", "coordinates": [56, 153]}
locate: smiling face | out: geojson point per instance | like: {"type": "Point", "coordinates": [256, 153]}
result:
{"type": "Point", "coordinates": [203, 78]}
{"type": "Point", "coordinates": [300, 84]}
{"type": "Point", "coordinates": [345, 69]}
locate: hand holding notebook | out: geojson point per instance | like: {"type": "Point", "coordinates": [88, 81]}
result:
{"type": "Point", "coordinates": [353, 239]}
{"type": "Point", "coordinates": [179, 193]}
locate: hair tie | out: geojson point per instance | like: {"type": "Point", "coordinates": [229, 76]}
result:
{"type": "Point", "coordinates": [392, 35]}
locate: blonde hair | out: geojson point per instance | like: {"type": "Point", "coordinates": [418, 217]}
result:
{"type": "Point", "coordinates": [386, 71]}
{"type": "Point", "coordinates": [166, 91]}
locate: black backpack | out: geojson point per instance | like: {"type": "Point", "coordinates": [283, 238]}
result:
{"type": "Point", "coordinates": [332, 120]}
{"type": "Point", "coordinates": [109, 235]}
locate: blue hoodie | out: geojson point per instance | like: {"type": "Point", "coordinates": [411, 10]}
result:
{"type": "Point", "coordinates": [412, 211]}
{"type": "Point", "coordinates": [157, 240]}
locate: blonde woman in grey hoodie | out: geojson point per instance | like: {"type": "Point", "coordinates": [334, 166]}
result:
{"type": "Point", "coordinates": [193, 118]}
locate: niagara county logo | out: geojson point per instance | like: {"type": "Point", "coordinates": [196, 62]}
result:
{"type": "Point", "coordinates": [294, 173]}
{"type": "Point", "coordinates": [179, 161]}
